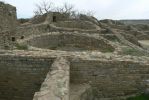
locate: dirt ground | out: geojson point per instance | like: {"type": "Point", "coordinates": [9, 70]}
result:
{"type": "Point", "coordinates": [145, 43]}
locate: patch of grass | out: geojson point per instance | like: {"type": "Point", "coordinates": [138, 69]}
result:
{"type": "Point", "coordinates": [21, 46]}
{"type": "Point", "coordinates": [140, 97]}
{"type": "Point", "coordinates": [109, 49]}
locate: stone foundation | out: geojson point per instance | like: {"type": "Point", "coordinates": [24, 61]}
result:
{"type": "Point", "coordinates": [22, 74]}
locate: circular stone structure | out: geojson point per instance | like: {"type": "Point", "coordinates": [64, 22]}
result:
{"type": "Point", "coordinates": [69, 42]}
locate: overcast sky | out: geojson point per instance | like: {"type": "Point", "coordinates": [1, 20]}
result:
{"type": "Point", "coordinates": [104, 9]}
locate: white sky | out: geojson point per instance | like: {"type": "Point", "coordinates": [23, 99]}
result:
{"type": "Point", "coordinates": [104, 9]}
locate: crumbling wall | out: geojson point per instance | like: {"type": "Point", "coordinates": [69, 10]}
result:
{"type": "Point", "coordinates": [76, 24]}
{"type": "Point", "coordinates": [68, 42]}
{"type": "Point", "coordinates": [131, 39]}
{"type": "Point", "coordinates": [7, 25]}
{"type": "Point", "coordinates": [29, 30]}
{"type": "Point", "coordinates": [21, 77]}
{"type": "Point", "coordinates": [6, 40]}
{"type": "Point", "coordinates": [57, 16]}
{"type": "Point", "coordinates": [56, 84]}
{"type": "Point", "coordinates": [89, 18]}
{"type": "Point", "coordinates": [7, 17]}
{"type": "Point", "coordinates": [38, 19]}
{"type": "Point", "coordinates": [111, 79]}
{"type": "Point", "coordinates": [22, 73]}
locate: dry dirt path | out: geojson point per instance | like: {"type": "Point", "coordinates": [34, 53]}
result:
{"type": "Point", "coordinates": [145, 43]}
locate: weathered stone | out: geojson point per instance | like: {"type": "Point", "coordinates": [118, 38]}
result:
{"type": "Point", "coordinates": [70, 59]}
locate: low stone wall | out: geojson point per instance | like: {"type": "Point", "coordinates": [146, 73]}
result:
{"type": "Point", "coordinates": [110, 76]}
{"type": "Point", "coordinates": [38, 26]}
{"type": "Point", "coordinates": [38, 19]}
{"type": "Point", "coordinates": [89, 18]}
{"type": "Point", "coordinates": [111, 79]}
{"type": "Point", "coordinates": [70, 42]}
{"type": "Point", "coordinates": [21, 77]}
{"type": "Point", "coordinates": [76, 24]}
{"type": "Point", "coordinates": [56, 84]}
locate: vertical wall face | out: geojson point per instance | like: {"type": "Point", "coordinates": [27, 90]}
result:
{"type": "Point", "coordinates": [7, 17]}
{"type": "Point", "coordinates": [60, 17]}
{"type": "Point", "coordinates": [27, 31]}
{"type": "Point", "coordinates": [21, 77]}
{"type": "Point", "coordinates": [111, 78]}
{"type": "Point", "coordinates": [7, 24]}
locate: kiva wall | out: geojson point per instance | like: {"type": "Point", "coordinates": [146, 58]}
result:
{"type": "Point", "coordinates": [60, 40]}
{"type": "Point", "coordinates": [21, 77]}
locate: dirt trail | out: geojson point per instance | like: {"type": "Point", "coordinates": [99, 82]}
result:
{"type": "Point", "coordinates": [145, 43]}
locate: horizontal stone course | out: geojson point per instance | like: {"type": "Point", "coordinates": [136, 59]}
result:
{"type": "Point", "coordinates": [22, 73]}
{"type": "Point", "coordinates": [112, 78]}
{"type": "Point", "coordinates": [22, 77]}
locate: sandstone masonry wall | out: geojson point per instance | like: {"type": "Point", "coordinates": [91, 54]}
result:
{"type": "Point", "coordinates": [6, 40]}
{"type": "Point", "coordinates": [56, 16]}
{"type": "Point", "coordinates": [71, 40]}
{"type": "Point", "coordinates": [7, 17]}
{"type": "Point", "coordinates": [111, 79]}
{"type": "Point", "coordinates": [22, 73]}
{"type": "Point", "coordinates": [31, 30]}
{"type": "Point", "coordinates": [76, 24]}
{"type": "Point", "coordinates": [21, 77]}
{"type": "Point", "coordinates": [7, 25]}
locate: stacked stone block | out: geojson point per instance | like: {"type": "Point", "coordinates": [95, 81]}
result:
{"type": "Point", "coordinates": [21, 77]}
{"type": "Point", "coordinates": [7, 25]}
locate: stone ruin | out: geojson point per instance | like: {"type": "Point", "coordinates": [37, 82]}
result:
{"type": "Point", "coordinates": [54, 57]}
{"type": "Point", "coordinates": [7, 25]}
